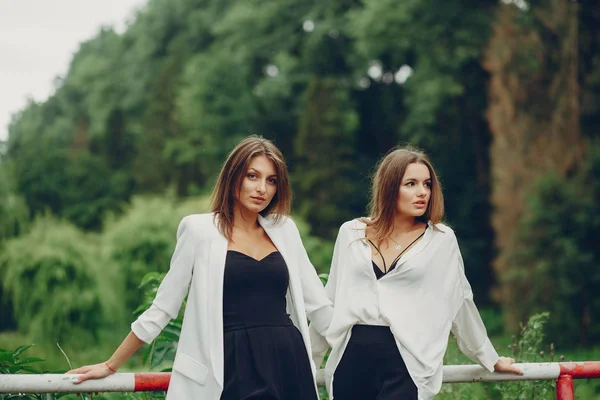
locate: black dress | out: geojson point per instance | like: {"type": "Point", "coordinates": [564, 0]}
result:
{"type": "Point", "coordinates": [265, 356]}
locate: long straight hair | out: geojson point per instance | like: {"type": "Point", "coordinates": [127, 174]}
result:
{"type": "Point", "coordinates": [229, 182]}
{"type": "Point", "coordinates": [386, 189]}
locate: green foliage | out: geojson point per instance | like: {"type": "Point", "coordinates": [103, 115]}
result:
{"type": "Point", "coordinates": [14, 220]}
{"type": "Point", "coordinates": [215, 110]}
{"type": "Point", "coordinates": [529, 347]}
{"type": "Point", "coordinates": [435, 39]}
{"type": "Point", "coordinates": [493, 321]}
{"type": "Point", "coordinates": [65, 151]}
{"type": "Point", "coordinates": [319, 251]}
{"type": "Point", "coordinates": [11, 362]}
{"type": "Point", "coordinates": [92, 190]}
{"type": "Point", "coordinates": [160, 105]}
{"type": "Point", "coordinates": [14, 214]}
{"type": "Point", "coordinates": [557, 254]}
{"type": "Point", "coordinates": [324, 175]}
{"type": "Point", "coordinates": [82, 193]}
{"type": "Point", "coordinates": [59, 284]}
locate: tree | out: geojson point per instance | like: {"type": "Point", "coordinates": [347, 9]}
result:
{"type": "Point", "coordinates": [534, 117]}
{"type": "Point", "coordinates": [14, 214]}
{"type": "Point", "coordinates": [324, 174]}
{"type": "Point", "coordinates": [14, 220]}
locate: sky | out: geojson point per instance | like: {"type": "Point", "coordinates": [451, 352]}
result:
{"type": "Point", "coordinates": [38, 39]}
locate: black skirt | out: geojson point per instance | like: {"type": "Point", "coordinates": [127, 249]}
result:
{"type": "Point", "coordinates": [265, 356]}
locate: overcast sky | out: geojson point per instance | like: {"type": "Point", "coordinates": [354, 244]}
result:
{"type": "Point", "coordinates": [38, 39]}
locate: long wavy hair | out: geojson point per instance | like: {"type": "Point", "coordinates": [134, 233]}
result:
{"type": "Point", "coordinates": [229, 182]}
{"type": "Point", "coordinates": [385, 192]}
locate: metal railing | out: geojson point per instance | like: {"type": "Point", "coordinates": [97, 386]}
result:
{"type": "Point", "coordinates": [563, 373]}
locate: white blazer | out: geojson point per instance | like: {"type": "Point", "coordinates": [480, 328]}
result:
{"type": "Point", "coordinates": [196, 270]}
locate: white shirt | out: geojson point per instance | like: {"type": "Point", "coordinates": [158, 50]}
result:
{"type": "Point", "coordinates": [422, 299]}
{"type": "Point", "coordinates": [197, 269]}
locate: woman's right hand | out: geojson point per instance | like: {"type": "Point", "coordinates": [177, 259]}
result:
{"type": "Point", "coordinates": [96, 371]}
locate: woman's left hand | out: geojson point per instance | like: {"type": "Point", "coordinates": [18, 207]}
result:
{"type": "Point", "coordinates": [505, 364]}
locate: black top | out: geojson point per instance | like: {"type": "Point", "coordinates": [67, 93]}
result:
{"type": "Point", "coordinates": [254, 291]}
{"type": "Point", "coordinates": [378, 272]}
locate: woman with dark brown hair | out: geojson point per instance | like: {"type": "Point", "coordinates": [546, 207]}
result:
{"type": "Point", "coordinates": [398, 286]}
{"type": "Point", "coordinates": [250, 287]}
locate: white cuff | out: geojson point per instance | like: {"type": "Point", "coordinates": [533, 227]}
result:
{"type": "Point", "coordinates": [149, 325]}
{"type": "Point", "coordinates": [487, 356]}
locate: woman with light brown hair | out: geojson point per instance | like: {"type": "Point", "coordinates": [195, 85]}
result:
{"type": "Point", "coordinates": [398, 286]}
{"type": "Point", "coordinates": [250, 288]}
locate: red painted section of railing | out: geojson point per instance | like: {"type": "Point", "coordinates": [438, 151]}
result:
{"type": "Point", "coordinates": [587, 369]}
{"type": "Point", "coordinates": [564, 388]}
{"type": "Point", "coordinates": [577, 370]}
{"type": "Point", "coordinates": [564, 384]}
{"type": "Point", "coordinates": [146, 382]}
{"type": "Point", "coordinates": [563, 373]}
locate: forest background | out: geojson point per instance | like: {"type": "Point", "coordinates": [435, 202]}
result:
{"type": "Point", "coordinates": [503, 95]}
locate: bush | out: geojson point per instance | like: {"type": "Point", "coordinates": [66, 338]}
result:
{"type": "Point", "coordinates": [58, 284]}
{"type": "Point", "coordinates": [557, 255]}
{"type": "Point", "coordinates": [529, 347]}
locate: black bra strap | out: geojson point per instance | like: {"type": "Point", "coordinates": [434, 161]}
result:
{"type": "Point", "coordinates": [385, 271]}
{"type": "Point", "coordinates": [377, 248]}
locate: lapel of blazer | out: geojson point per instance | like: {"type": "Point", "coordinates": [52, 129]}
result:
{"type": "Point", "coordinates": [216, 269]}
{"type": "Point", "coordinates": [275, 234]}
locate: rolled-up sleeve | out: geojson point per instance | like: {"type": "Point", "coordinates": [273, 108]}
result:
{"type": "Point", "coordinates": [172, 289]}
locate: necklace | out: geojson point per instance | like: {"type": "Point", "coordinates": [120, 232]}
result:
{"type": "Point", "coordinates": [398, 245]}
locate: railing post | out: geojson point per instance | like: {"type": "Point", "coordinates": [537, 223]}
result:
{"type": "Point", "coordinates": [564, 388]}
